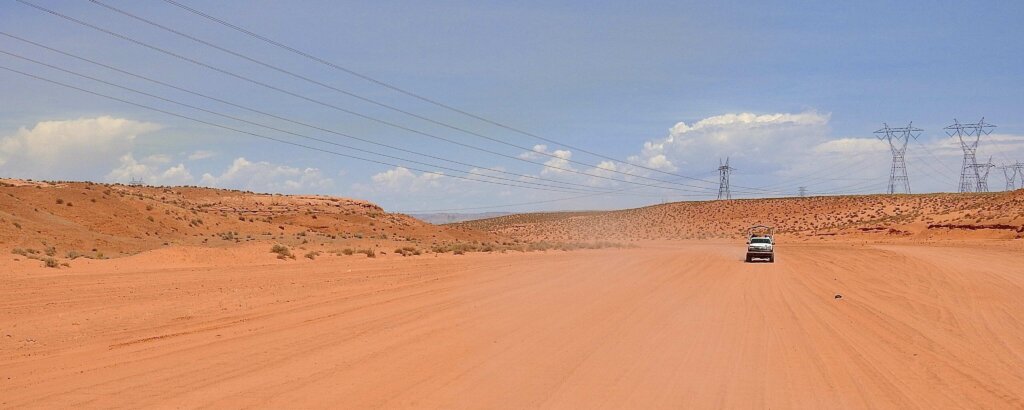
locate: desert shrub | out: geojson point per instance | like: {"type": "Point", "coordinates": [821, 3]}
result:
{"type": "Point", "coordinates": [50, 251]}
{"type": "Point", "coordinates": [50, 263]}
{"type": "Point", "coordinates": [348, 251]}
{"type": "Point", "coordinates": [73, 255]}
{"type": "Point", "coordinates": [17, 225]}
{"type": "Point", "coordinates": [19, 251]}
{"type": "Point", "coordinates": [370, 253]}
{"type": "Point", "coordinates": [60, 201]}
{"type": "Point", "coordinates": [282, 252]}
{"type": "Point", "coordinates": [408, 250]}
{"type": "Point", "coordinates": [150, 218]}
{"type": "Point", "coordinates": [312, 255]}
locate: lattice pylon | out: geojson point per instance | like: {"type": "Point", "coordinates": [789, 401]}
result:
{"type": "Point", "coordinates": [898, 138]}
{"type": "Point", "coordinates": [723, 179]}
{"type": "Point", "coordinates": [969, 135]}
{"type": "Point", "coordinates": [1010, 175]}
{"type": "Point", "coordinates": [1019, 167]}
{"type": "Point", "coordinates": [982, 170]}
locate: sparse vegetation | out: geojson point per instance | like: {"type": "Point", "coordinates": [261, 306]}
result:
{"type": "Point", "coordinates": [282, 252]}
{"type": "Point", "coordinates": [408, 251]}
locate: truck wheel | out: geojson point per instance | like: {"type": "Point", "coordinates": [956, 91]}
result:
{"type": "Point", "coordinates": [749, 259]}
{"type": "Point", "coordinates": [771, 259]}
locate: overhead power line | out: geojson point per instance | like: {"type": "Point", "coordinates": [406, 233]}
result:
{"type": "Point", "coordinates": [589, 187]}
{"type": "Point", "coordinates": [253, 134]}
{"type": "Point", "coordinates": [384, 122]}
{"type": "Point", "coordinates": [418, 96]}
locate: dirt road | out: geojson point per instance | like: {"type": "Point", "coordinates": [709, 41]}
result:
{"type": "Point", "coordinates": [685, 325]}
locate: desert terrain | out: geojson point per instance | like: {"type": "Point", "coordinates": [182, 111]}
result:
{"type": "Point", "coordinates": [123, 296]}
{"type": "Point", "coordinates": [923, 217]}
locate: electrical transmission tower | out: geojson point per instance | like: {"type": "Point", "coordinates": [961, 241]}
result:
{"type": "Point", "coordinates": [969, 135]}
{"type": "Point", "coordinates": [723, 179]}
{"type": "Point", "coordinates": [1019, 167]}
{"type": "Point", "coordinates": [898, 139]}
{"type": "Point", "coordinates": [981, 170]}
{"type": "Point", "coordinates": [803, 191]}
{"type": "Point", "coordinates": [1010, 173]}
{"type": "Point", "coordinates": [136, 182]}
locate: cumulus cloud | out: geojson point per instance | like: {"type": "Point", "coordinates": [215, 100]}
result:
{"type": "Point", "coordinates": [149, 170]}
{"type": "Point", "coordinates": [401, 179]}
{"type": "Point", "coordinates": [758, 137]}
{"type": "Point", "coordinates": [241, 174]}
{"type": "Point", "coordinates": [69, 148]}
{"type": "Point", "coordinates": [268, 177]}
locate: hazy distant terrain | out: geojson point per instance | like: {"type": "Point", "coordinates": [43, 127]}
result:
{"type": "Point", "coordinates": [447, 218]}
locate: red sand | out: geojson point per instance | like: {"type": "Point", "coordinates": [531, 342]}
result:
{"type": "Point", "coordinates": [186, 315]}
{"type": "Point", "coordinates": [669, 325]}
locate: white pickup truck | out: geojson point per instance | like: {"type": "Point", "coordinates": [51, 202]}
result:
{"type": "Point", "coordinates": [761, 244]}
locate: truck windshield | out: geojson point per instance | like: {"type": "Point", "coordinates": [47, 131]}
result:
{"type": "Point", "coordinates": [760, 240]}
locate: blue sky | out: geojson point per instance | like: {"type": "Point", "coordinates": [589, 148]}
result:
{"type": "Point", "coordinates": [791, 91]}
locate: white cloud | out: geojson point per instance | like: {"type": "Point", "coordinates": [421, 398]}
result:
{"type": "Point", "coordinates": [852, 146]}
{"type": "Point", "coordinates": [557, 161]}
{"type": "Point", "coordinates": [401, 179]}
{"type": "Point", "coordinates": [535, 153]}
{"type": "Point", "coordinates": [69, 148]}
{"type": "Point", "coordinates": [200, 154]}
{"type": "Point", "coordinates": [268, 177]}
{"type": "Point", "coordinates": [241, 174]}
{"type": "Point", "coordinates": [761, 138]}
{"type": "Point", "coordinates": [150, 172]}
{"type": "Point", "coordinates": [157, 159]}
